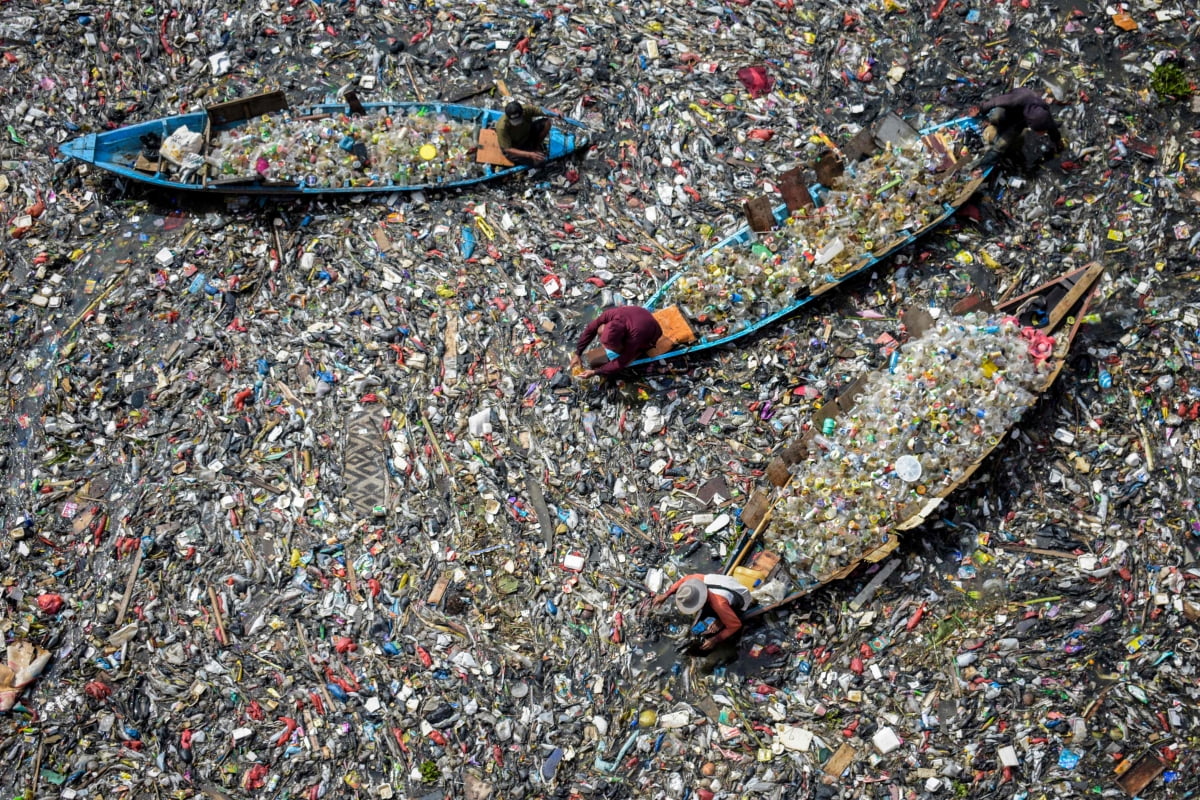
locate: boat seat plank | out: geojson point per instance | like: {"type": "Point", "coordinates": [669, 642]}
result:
{"type": "Point", "coordinates": [247, 108]}
{"type": "Point", "coordinates": [756, 509]}
{"type": "Point", "coordinates": [1061, 309]}
{"type": "Point", "coordinates": [759, 214]}
{"type": "Point", "coordinates": [489, 151]}
{"type": "Point", "coordinates": [794, 190]}
{"type": "Point", "coordinates": [777, 472]}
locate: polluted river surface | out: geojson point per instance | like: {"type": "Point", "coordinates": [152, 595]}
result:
{"type": "Point", "coordinates": [301, 498]}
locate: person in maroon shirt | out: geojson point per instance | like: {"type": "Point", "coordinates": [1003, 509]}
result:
{"type": "Point", "coordinates": [625, 332]}
{"type": "Point", "coordinates": [1020, 109]}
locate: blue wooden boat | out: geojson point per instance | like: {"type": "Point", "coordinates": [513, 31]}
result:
{"type": "Point", "coordinates": [673, 318]}
{"type": "Point", "coordinates": [124, 151]}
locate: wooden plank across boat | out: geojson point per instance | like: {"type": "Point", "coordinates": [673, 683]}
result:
{"type": "Point", "coordinates": [940, 160]}
{"type": "Point", "coordinates": [1054, 309]}
{"type": "Point", "coordinates": [335, 148]}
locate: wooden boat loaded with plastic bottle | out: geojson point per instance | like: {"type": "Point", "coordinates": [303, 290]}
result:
{"type": "Point", "coordinates": [879, 460]}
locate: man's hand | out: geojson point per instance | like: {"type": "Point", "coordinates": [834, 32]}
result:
{"type": "Point", "coordinates": [525, 156]}
{"type": "Point", "coordinates": [588, 373]}
{"type": "Point", "coordinates": [973, 111]}
{"type": "Point", "coordinates": [576, 361]}
{"type": "Point", "coordinates": [709, 644]}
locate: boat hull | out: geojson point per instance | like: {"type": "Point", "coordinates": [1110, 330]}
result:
{"type": "Point", "coordinates": [117, 151]}
{"type": "Point", "coordinates": [745, 236]}
{"type": "Point", "coordinates": [1069, 300]}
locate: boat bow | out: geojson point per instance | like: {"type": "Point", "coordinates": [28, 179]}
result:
{"type": "Point", "coordinates": [82, 148]}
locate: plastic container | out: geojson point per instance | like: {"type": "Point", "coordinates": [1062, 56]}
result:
{"type": "Point", "coordinates": [750, 578]}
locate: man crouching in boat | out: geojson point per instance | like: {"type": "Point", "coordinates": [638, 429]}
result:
{"type": "Point", "coordinates": [520, 133]}
{"type": "Point", "coordinates": [625, 333]}
{"type": "Point", "coordinates": [1009, 115]}
{"type": "Point", "coordinates": [723, 595]}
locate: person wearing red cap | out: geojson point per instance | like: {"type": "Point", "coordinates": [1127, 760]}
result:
{"type": "Point", "coordinates": [723, 595]}
{"type": "Point", "coordinates": [1019, 109]}
{"type": "Point", "coordinates": [625, 333]}
{"type": "Point", "coordinates": [520, 133]}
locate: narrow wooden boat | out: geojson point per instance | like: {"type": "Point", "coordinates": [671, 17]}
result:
{"type": "Point", "coordinates": [853, 209]}
{"type": "Point", "coordinates": [1048, 318]}
{"type": "Point", "coordinates": [259, 146]}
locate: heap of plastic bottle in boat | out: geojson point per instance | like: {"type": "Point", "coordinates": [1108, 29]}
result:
{"type": "Point", "coordinates": [872, 208]}
{"type": "Point", "coordinates": [946, 399]}
{"type": "Point", "coordinates": [400, 148]}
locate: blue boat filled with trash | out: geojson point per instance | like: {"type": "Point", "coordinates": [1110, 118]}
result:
{"type": "Point", "coordinates": [886, 190]}
{"type": "Point", "coordinates": [260, 146]}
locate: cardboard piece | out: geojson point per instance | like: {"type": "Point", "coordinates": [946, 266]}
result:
{"type": "Point", "coordinates": [841, 759]}
{"type": "Point", "coordinates": [714, 490]}
{"type": "Point", "coordinates": [676, 331]}
{"type": "Point", "coordinates": [975, 301]}
{"type": "Point", "coordinates": [895, 131]}
{"type": "Point", "coordinates": [381, 239]}
{"type": "Point", "coordinates": [144, 164]}
{"type": "Point", "coordinates": [489, 150]}
{"type": "Point", "coordinates": [1139, 776]}
{"type": "Point", "coordinates": [675, 325]}
{"type": "Point", "coordinates": [793, 453]}
{"type": "Point", "coordinates": [839, 405]}
{"type": "Point", "coordinates": [777, 472]}
{"type": "Point", "coordinates": [665, 344]}
{"type": "Point", "coordinates": [356, 106]}
{"type": "Point", "coordinates": [765, 561]}
{"type": "Point", "coordinates": [916, 321]}
{"type": "Point", "coordinates": [439, 589]}
{"type": "Point", "coordinates": [942, 151]}
{"type": "Point", "coordinates": [862, 145]}
{"type": "Point", "coordinates": [759, 214]}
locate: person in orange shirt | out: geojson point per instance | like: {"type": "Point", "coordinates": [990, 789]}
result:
{"type": "Point", "coordinates": [723, 595]}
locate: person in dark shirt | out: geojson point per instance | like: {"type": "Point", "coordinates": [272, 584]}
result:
{"type": "Point", "coordinates": [1018, 110]}
{"type": "Point", "coordinates": [625, 332]}
{"type": "Point", "coordinates": [520, 133]}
